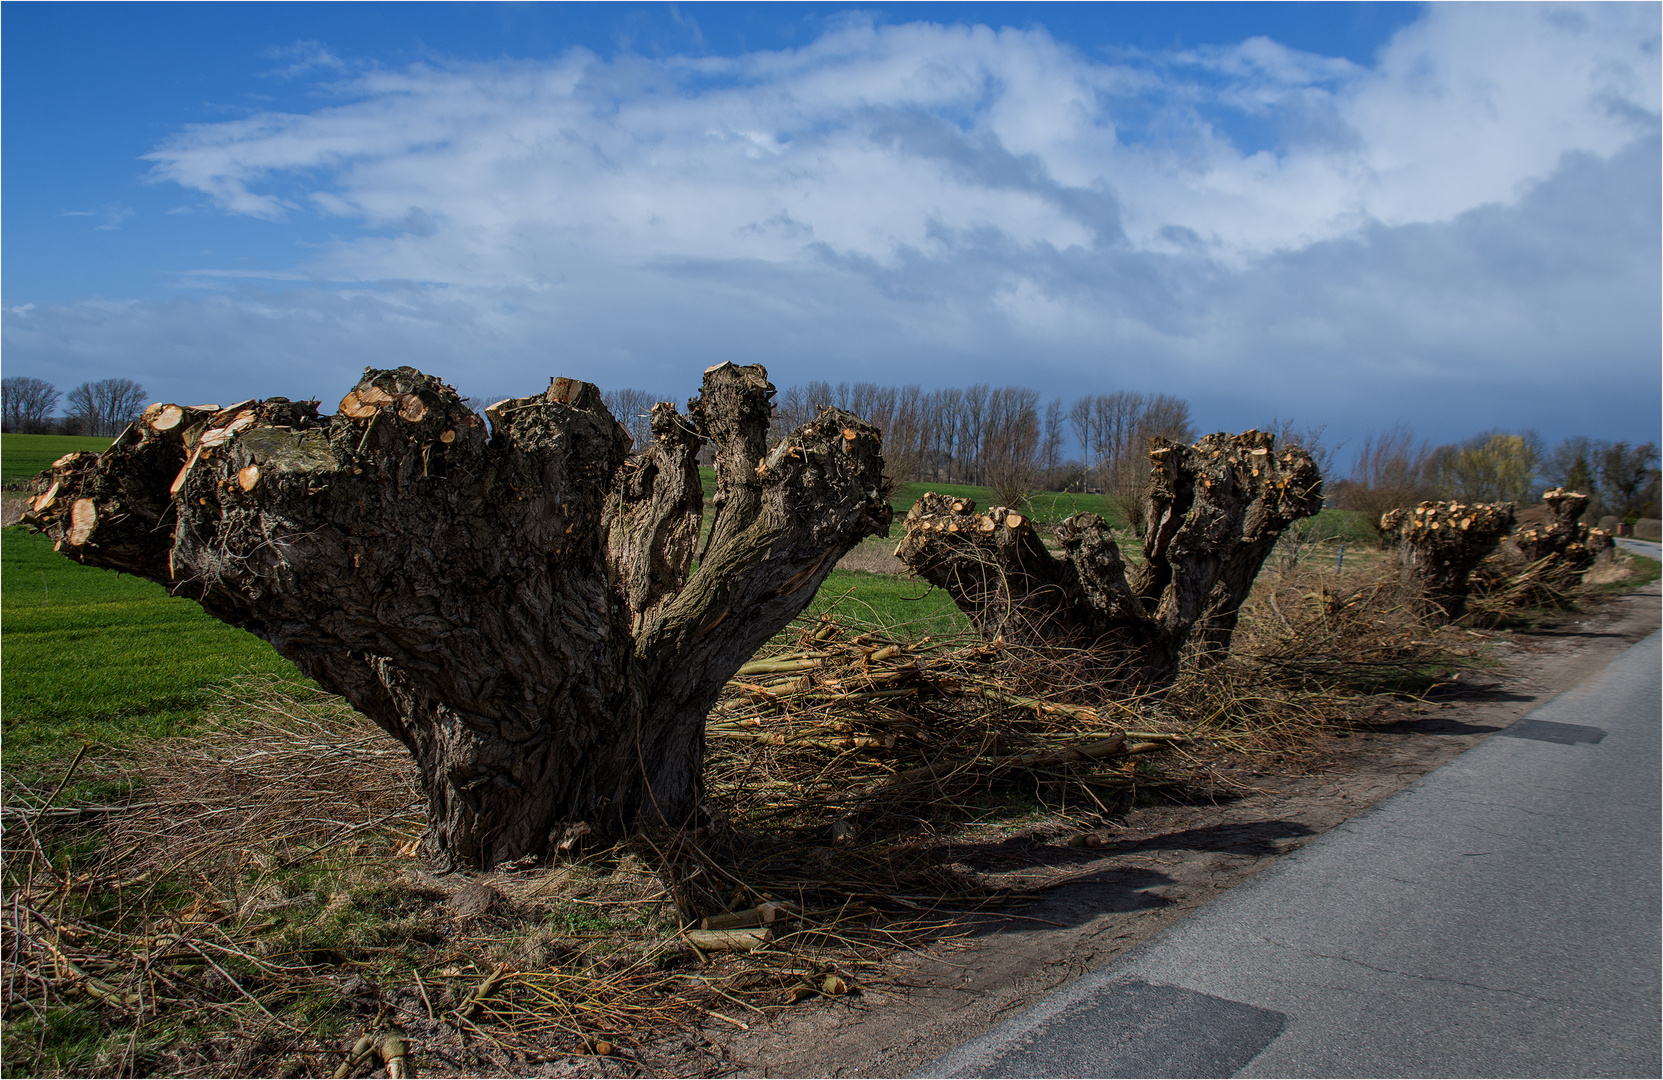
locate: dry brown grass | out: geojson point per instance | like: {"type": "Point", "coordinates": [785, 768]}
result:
{"type": "Point", "coordinates": [873, 556]}
{"type": "Point", "coordinates": [250, 907]}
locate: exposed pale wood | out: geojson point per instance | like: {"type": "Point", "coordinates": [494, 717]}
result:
{"type": "Point", "coordinates": [410, 407]}
{"type": "Point", "coordinates": [84, 519]}
{"type": "Point", "coordinates": [718, 941]}
{"type": "Point", "coordinates": [184, 472]}
{"type": "Point", "coordinates": [46, 498]}
{"type": "Point", "coordinates": [219, 436]}
{"type": "Point", "coordinates": [162, 417]}
{"type": "Point", "coordinates": [355, 408]}
{"type": "Point", "coordinates": [761, 915]}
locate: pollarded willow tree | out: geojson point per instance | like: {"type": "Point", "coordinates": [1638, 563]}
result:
{"type": "Point", "coordinates": [514, 606]}
{"type": "Point", "coordinates": [1439, 544]}
{"type": "Point", "coordinates": [1564, 535]}
{"type": "Point", "coordinates": [1214, 512]}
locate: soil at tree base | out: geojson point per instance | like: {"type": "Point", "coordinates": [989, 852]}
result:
{"type": "Point", "coordinates": [1164, 863]}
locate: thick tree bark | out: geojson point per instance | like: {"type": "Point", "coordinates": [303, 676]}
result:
{"type": "Point", "coordinates": [1439, 544]}
{"type": "Point", "coordinates": [1214, 511]}
{"type": "Point", "coordinates": [1565, 535]}
{"type": "Point", "coordinates": [516, 609]}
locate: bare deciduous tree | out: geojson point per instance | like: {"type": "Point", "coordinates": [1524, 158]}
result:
{"type": "Point", "coordinates": [106, 406]}
{"type": "Point", "coordinates": [1389, 473]}
{"type": "Point", "coordinates": [1123, 425]}
{"type": "Point", "coordinates": [1010, 443]}
{"type": "Point", "coordinates": [1628, 478]}
{"type": "Point", "coordinates": [28, 403]}
{"type": "Point", "coordinates": [1052, 439]}
{"type": "Point", "coordinates": [633, 408]}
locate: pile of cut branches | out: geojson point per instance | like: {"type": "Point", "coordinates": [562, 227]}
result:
{"type": "Point", "coordinates": [1507, 589]}
{"type": "Point", "coordinates": [875, 726]}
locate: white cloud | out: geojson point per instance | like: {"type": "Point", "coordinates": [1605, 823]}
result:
{"type": "Point", "coordinates": [305, 58]}
{"type": "Point", "coordinates": [876, 138]}
{"type": "Point", "coordinates": [109, 216]}
{"type": "Point", "coordinates": [947, 203]}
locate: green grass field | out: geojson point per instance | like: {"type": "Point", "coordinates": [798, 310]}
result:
{"type": "Point", "coordinates": [1046, 506]}
{"type": "Point", "coordinates": [22, 456]}
{"type": "Point", "coordinates": [880, 600]}
{"type": "Point", "coordinates": [93, 656]}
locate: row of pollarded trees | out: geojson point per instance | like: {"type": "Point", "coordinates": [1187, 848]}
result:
{"type": "Point", "coordinates": [520, 608]}
{"type": "Point", "coordinates": [1394, 470]}
{"type": "Point", "coordinates": [29, 405]}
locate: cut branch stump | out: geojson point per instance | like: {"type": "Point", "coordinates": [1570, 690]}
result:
{"type": "Point", "coordinates": [1564, 535]}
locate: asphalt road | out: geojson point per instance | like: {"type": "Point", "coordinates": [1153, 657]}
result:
{"type": "Point", "coordinates": [1648, 548]}
{"type": "Point", "coordinates": [1499, 917]}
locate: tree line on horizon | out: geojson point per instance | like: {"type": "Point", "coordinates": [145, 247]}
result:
{"type": "Point", "coordinates": [1006, 439]}
{"type": "Point", "coordinates": [102, 408]}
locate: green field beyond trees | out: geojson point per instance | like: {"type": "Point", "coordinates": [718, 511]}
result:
{"type": "Point", "coordinates": [22, 456]}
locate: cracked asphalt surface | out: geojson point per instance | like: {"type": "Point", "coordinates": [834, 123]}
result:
{"type": "Point", "coordinates": [1497, 918]}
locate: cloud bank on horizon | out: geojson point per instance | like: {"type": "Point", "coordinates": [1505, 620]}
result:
{"type": "Point", "coordinates": [1462, 234]}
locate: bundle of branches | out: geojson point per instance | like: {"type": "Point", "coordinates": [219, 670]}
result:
{"type": "Point", "coordinates": [875, 727]}
{"type": "Point", "coordinates": [1509, 588]}
{"type": "Point", "coordinates": [1320, 634]}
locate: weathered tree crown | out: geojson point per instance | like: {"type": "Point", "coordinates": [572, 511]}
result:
{"type": "Point", "coordinates": [1214, 510]}
{"type": "Point", "coordinates": [1439, 544]}
{"type": "Point", "coordinates": [516, 607]}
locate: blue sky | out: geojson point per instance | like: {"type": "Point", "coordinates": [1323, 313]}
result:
{"type": "Point", "coordinates": [1349, 215]}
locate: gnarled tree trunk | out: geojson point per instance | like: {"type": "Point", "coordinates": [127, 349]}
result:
{"type": "Point", "coordinates": [1214, 511]}
{"type": "Point", "coordinates": [1439, 544]}
{"type": "Point", "coordinates": [516, 609]}
{"type": "Point", "coordinates": [1565, 535]}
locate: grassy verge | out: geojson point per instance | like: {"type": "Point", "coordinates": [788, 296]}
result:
{"type": "Point", "coordinates": [22, 456]}
{"type": "Point", "coordinates": [1633, 571]}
